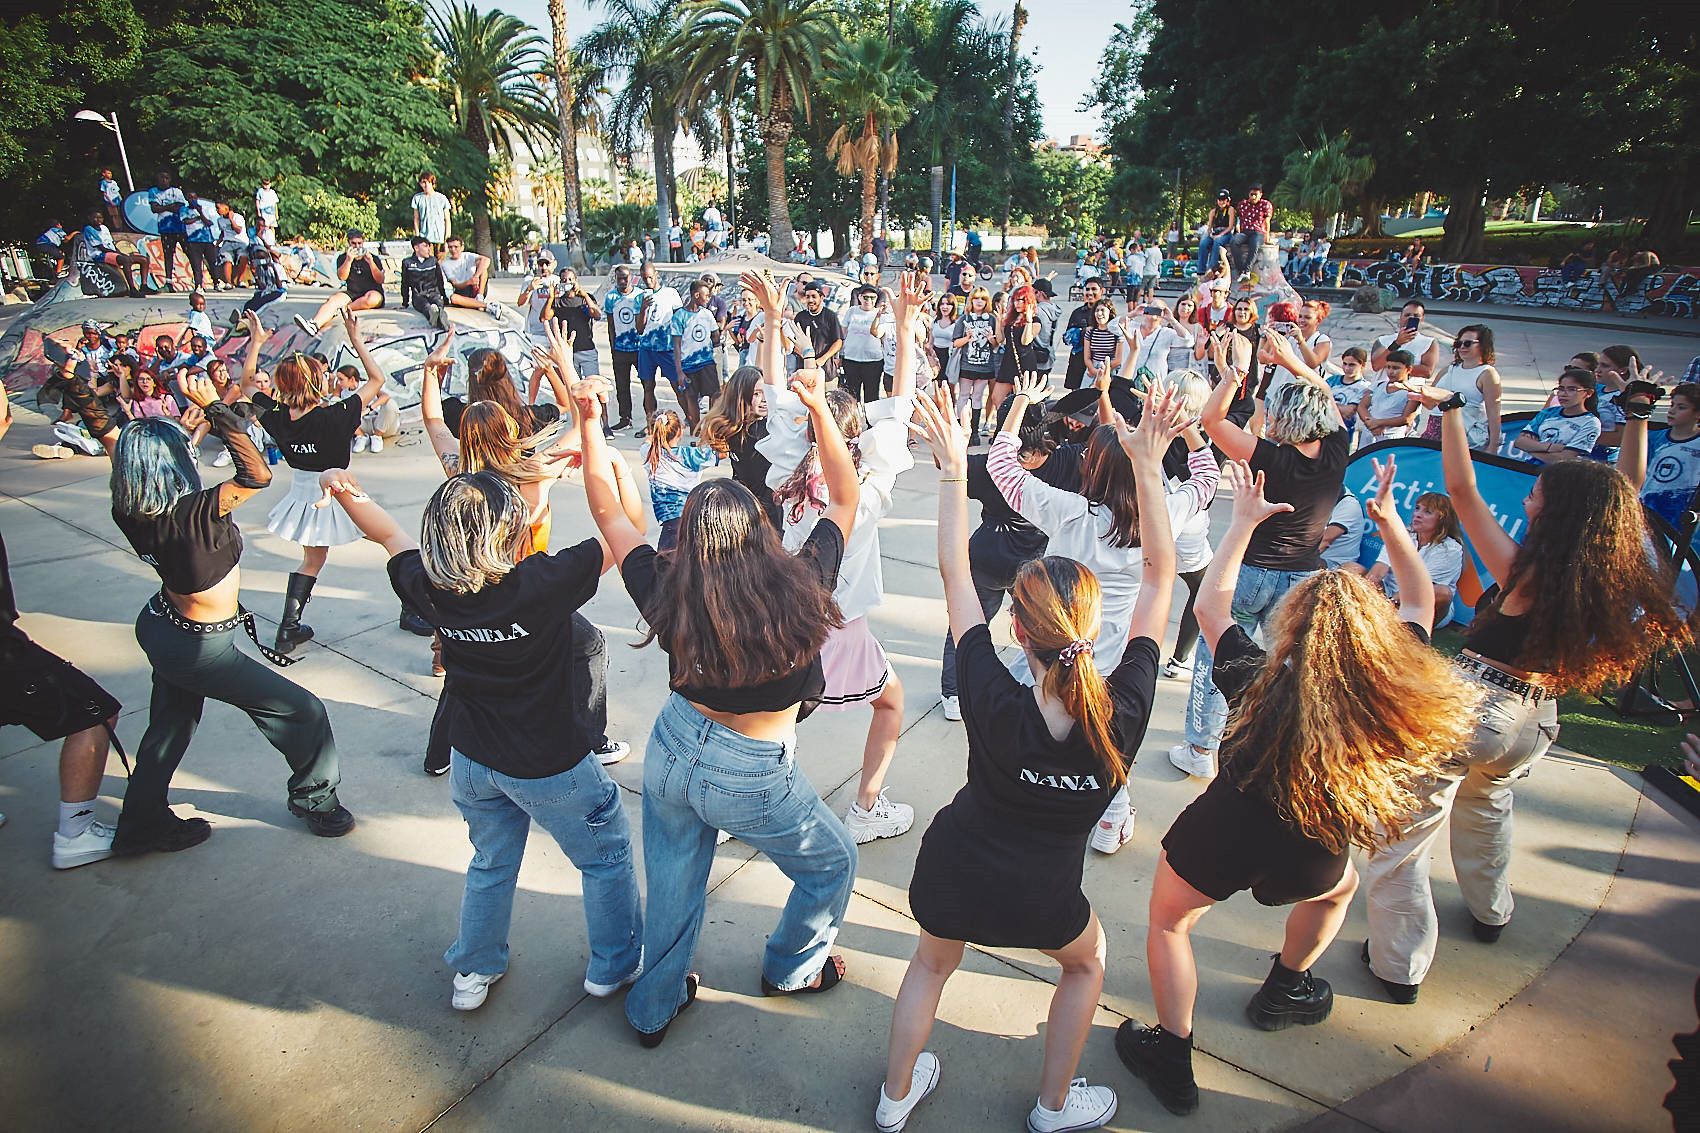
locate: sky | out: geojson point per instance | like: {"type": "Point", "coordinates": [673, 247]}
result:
{"type": "Point", "coordinates": [1066, 37]}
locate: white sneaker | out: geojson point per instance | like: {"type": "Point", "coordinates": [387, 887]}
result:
{"type": "Point", "coordinates": [603, 991]}
{"type": "Point", "coordinates": [612, 752]}
{"type": "Point", "coordinates": [1086, 1107]}
{"type": "Point", "coordinates": [470, 990]}
{"type": "Point", "coordinates": [360, 444]}
{"type": "Point", "coordinates": [92, 845]}
{"type": "Point", "coordinates": [890, 1116]}
{"type": "Point", "coordinates": [721, 837]}
{"type": "Point", "coordinates": [53, 452]}
{"type": "Point", "coordinates": [1175, 668]}
{"type": "Point", "coordinates": [376, 443]}
{"type": "Point", "coordinates": [952, 707]}
{"type": "Point", "coordinates": [495, 311]}
{"type": "Point", "coordinates": [222, 459]}
{"type": "Point", "coordinates": [307, 325]}
{"type": "Point", "coordinates": [885, 819]}
{"type": "Point", "coordinates": [1200, 765]}
{"type": "Point", "coordinates": [1114, 830]}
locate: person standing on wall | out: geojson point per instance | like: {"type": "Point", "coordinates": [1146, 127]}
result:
{"type": "Point", "coordinates": [431, 213]}
{"type": "Point", "coordinates": [167, 201]}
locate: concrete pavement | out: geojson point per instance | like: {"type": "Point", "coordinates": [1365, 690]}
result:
{"type": "Point", "coordinates": [268, 979]}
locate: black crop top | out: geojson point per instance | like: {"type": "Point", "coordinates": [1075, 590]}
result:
{"type": "Point", "coordinates": [1500, 637]}
{"type": "Point", "coordinates": [802, 686]}
{"type": "Point", "coordinates": [319, 439]}
{"type": "Point", "coordinates": [191, 546]}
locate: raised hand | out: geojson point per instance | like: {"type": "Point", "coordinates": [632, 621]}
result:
{"type": "Point", "coordinates": [945, 433]}
{"type": "Point", "coordinates": [764, 288]}
{"type": "Point", "coordinates": [1164, 419]}
{"type": "Point", "coordinates": [810, 387]}
{"type": "Point", "coordinates": [351, 323]}
{"type": "Point", "coordinates": [914, 296]}
{"type": "Point", "coordinates": [198, 388]}
{"type": "Point", "coordinates": [1380, 508]}
{"type": "Point", "coordinates": [440, 354]}
{"type": "Point", "coordinates": [192, 418]}
{"type": "Point", "coordinates": [1429, 395]}
{"type": "Point", "coordinates": [1249, 504]}
{"type": "Point", "coordinates": [589, 395]}
{"type": "Point", "coordinates": [1034, 387]}
{"type": "Point", "coordinates": [256, 333]}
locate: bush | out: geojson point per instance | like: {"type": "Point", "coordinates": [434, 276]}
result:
{"type": "Point", "coordinates": [607, 231]}
{"type": "Point", "coordinates": [333, 215]}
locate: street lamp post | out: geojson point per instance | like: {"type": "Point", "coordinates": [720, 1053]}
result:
{"type": "Point", "coordinates": [111, 124]}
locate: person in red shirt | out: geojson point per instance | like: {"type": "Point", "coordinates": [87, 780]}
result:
{"type": "Point", "coordinates": [1254, 213]}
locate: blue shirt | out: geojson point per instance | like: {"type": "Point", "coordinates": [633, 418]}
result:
{"type": "Point", "coordinates": [109, 191]}
{"type": "Point", "coordinates": [658, 325]}
{"type": "Point", "coordinates": [169, 222]}
{"type": "Point", "coordinates": [695, 332]}
{"type": "Point", "coordinates": [98, 239]}
{"type": "Point", "coordinates": [1673, 473]}
{"type": "Point", "coordinates": [200, 221]}
{"type": "Point", "coordinates": [622, 316]}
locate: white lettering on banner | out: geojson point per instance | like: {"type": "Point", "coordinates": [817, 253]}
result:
{"type": "Point", "coordinates": [1061, 782]}
{"type": "Point", "coordinates": [491, 636]}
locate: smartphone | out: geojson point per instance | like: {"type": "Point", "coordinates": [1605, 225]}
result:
{"type": "Point", "coordinates": [1281, 328]}
{"type": "Point", "coordinates": [1151, 310]}
{"type": "Point", "coordinates": [1413, 322]}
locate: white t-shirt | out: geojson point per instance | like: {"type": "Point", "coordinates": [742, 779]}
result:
{"type": "Point", "coordinates": [233, 229]}
{"type": "Point", "coordinates": [1445, 562]}
{"type": "Point", "coordinates": [1416, 348]}
{"type": "Point", "coordinates": [537, 306]}
{"type": "Point", "coordinates": [1384, 402]}
{"type": "Point", "coordinates": [1347, 394]}
{"type": "Point", "coordinates": [1462, 380]}
{"type": "Point", "coordinates": [1348, 515]}
{"type": "Point", "coordinates": [860, 343]}
{"type": "Point", "coordinates": [1579, 433]}
{"type": "Point", "coordinates": [1153, 260]}
{"type": "Point", "coordinates": [265, 204]}
{"type": "Point", "coordinates": [888, 341]}
{"type": "Point", "coordinates": [1151, 350]}
{"type": "Point", "coordinates": [461, 269]}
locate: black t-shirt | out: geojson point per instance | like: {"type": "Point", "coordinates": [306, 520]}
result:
{"type": "Point", "coordinates": [803, 685]}
{"type": "Point", "coordinates": [360, 277]}
{"type": "Point", "coordinates": [1018, 773]}
{"type": "Point", "coordinates": [577, 317]}
{"type": "Point", "coordinates": [1004, 540]}
{"type": "Point", "coordinates": [1289, 541]}
{"type": "Point", "coordinates": [191, 546]}
{"type": "Point", "coordinates": [823, 329]}
{"type": "Point", "coordinates": [319, 439]}
{"type": "Point", "coordinates": [508, 650]}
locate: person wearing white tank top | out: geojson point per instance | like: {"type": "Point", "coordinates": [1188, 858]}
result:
{"type": "Point", "coordinates": [1474, 378]}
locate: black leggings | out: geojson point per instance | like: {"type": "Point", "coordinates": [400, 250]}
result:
{"type": "Point", "coordinates": [625, 361]}
{"type": "Point", "coordinates": [188, 668]}
{"type": "Point", "coordinates": [1187, 636]}
{"type": "Point", "coordinates": [861, 380]}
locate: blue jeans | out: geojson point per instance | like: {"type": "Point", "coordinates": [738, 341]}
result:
{"type": "Point", "coordinates": [1253, 241]}
{"type": "Point", "coordinates": [581, 810]}
{"type": "Point", "coordinates": [1207, 246]}
{"type": "Point", "coordinates": [699, 777]}
{"type": "Point", "coordinates": [1256, 595]}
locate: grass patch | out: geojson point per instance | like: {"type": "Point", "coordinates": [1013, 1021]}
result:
{"type": "Point", "coordinates": [1594, 729]}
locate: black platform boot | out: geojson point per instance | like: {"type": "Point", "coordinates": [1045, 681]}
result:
{"type": "Point", "coordinates": [1164, 1061]}
{"type": "Point", "coordinates": [974, 430]}
{"type": "Point", "coordinates": [1288, 998]}
{"type": "Point", "coordinates": [290, 631]}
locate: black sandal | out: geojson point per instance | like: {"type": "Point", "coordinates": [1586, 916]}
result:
{"type": "Point", "coordinates": [653, 1039]}
{"type": "Point", "coordinates": [831, 973]}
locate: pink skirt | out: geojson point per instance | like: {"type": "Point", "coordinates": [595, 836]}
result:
{"type": "Point", "coordinates": [855, 667]}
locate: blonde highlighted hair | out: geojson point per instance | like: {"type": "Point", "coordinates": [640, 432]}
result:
{"type": "Point", "coordinates": [490, 440]}
{"type": "Point", "coordinates": [300, 381]}
{"type": "Point", "coordinates": [1348, 715]}
{"type": "Point", "coordinates": [1057, 602]}
{"type": "Point", "coordinates": [473, 532]}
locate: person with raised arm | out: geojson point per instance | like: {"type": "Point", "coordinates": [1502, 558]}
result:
{"type": "Point", "coordinates": [1330, 727]}
{"type": "Point", "coordinates": [742, 623]}
{"type": "Point", "coordinates": [1303, 453]}
{"type": "Point", "coordinates": [506, 620]}
{"type": "Point", "coordinates": [1001, 864]}
{"type": "Point", "coordinates": [1580, 601]}
{"type": "Point", "coordinates": [188, 630]}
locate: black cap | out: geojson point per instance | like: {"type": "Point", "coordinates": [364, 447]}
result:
{"type": "Point", "coordinates": [814, 285]}
{"type": "Point", "coordinates": [1082, 404]}
{"type": "Point", "coordinates": [1043, 286]}
{"type": "Point", "coordinates": [1224, 195]}
{"type": "Point", "coordinates": [856, 296]}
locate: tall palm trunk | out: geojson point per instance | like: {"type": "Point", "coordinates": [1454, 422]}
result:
{"type": "Point", "coordinates": [937, 179]}
{"type": "Point", "coordinates": [775, 135]}
{"type": "Point", "coordinates": [730, 141]}
{"type": "Point", "coordinates": [663, 207]}
{"type": "Point", "coordinates": [1017, 22]}
{"type": "Point", "coordinates": [870, 195]}
{"type": "Point", "coordinates": [481, 196]}
{"type": "Point", "coordinates": [573, 206]}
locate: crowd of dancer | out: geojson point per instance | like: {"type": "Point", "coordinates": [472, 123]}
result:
{"type": "Point", "coordinates": [1343, 730]}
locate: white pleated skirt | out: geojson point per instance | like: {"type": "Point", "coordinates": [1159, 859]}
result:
{"type": "Point", "coordinates": [296, 519]}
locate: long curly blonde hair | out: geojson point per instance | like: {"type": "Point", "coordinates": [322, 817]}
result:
{"type": "Point", "coordinates": [1348, 714]}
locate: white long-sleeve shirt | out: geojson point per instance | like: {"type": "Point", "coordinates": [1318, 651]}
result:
{"type": "Point", "coordinates": [884, 447]}
{"type": "Point", "coordinates": [1079, 529]}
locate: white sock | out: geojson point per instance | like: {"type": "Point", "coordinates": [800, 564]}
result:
{"type": "Point", "coordinates": [74, 818]}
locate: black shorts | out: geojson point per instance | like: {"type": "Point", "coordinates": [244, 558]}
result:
{"type": "Point", "coordinates": [704, 381]}
{"type": "Point", "coordinates": [47, 694]}
{"type": "Point", "coordinates": [378, 291]}
{"type": "Point", "coordinates": [1229, 840]}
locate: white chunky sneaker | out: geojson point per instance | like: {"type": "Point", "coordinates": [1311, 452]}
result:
{"type": "Point", "coordinates": [890, 1116]}
{"type": "Point", "coordinates": [308, 326]}
{"type": "Point", "coordinates": [885, 819]}
{"type": "Point", "coordinates": [1086, 1107]}
{"type": "Point", "coordinates": [53, 452]}
{"type": "Point", "coordinates": [1200, 765]}
{"type": "Point", "coordinates": [603, 991]}
{"type": "Point", "coordinates": [377, 443]}
{"type": "Point", "coordinates": [360, 443]}
{"type": "Point", "coordinates": [470, 990]}
{"type": "Point", "coordinates": [612, 752]}
{"type": "Point", "coordinates": [92, 845]}
{"type": "Point", "coordinates": [952, 707]}
{"type": "Point", "coordinates": [222, 459]}
{"type": "Point", "coordinates": [1114, 829]}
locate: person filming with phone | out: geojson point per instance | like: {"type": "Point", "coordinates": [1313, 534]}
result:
{"type": "Point", "coordinates": [362, 275]}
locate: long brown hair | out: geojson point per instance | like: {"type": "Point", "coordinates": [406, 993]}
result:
{"type": "Point", "coordinates": [1057, 602]}
{"type": "Point", "coordinates": [1106, 478]}
{"type": "Point", "coordinates": [492, 382]}
{"type": "Point", "coordinates": [715, 611]}
{"type": "Point", "coordinates": [300, 381]}
{"type": "Point", "coordinates": [730, 415]}
{"type": "Point", "coordinates": [489, 439]}
{"type": "Point", "coordinates": [1349, 711]}
{"type": "Point", "coordinates": [1598, 606]}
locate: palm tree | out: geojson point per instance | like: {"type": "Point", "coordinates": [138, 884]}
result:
{"type": "Point", "coordinates": [487, 72]}
{"type": "Point", "coordinates": [548, 191]}
{"type": "Point", "coordinates": [583, 90]}
{"type": "Point", "coordinates": [636, 40]}
{"type": "Point", "coordinates": [565, 90]}
{"type": "Point", "coordinates": [779, 43]}
{"type": "Point", "coordinates": [873, 85]}
{"type": "Point", "coordinates": [1321, 181]}
{"type": "Point", "coordinates": [948, 46]}
{"type": "Point", "coordinates": [1018, 22]}
{"type": "Point", "coordinates": [713, 89]}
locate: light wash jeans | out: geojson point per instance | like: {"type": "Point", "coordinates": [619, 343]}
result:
{"type": "Point", "coordinates": [581, 810]}
{"type": "Point", "coordinates": [699, 777]}
{"type": "Point", "coordinates": [1255, 596]}
{"type": "Point", "coordinates": [1511, 734]}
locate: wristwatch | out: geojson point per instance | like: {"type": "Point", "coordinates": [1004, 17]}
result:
{"type": "Point", "coordinates": [1456, 401]}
